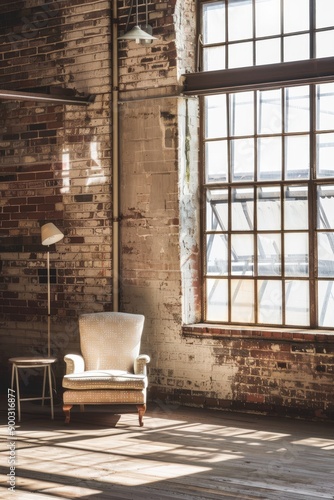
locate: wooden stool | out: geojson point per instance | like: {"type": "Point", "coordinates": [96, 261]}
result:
{"type": "Point", "coordinates": [32, 362]}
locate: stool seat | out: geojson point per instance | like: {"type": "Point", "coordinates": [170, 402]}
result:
{"type": "Point", "coordinates": [32, 362]}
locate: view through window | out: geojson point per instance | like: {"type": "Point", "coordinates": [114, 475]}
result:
{"type": "Point", "coordinates": [268, 177]}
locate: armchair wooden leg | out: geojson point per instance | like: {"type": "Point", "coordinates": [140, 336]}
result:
{"type": "Point", "coordinates": [141, 412]}
{"type": "Point", "coordinates": [67, 409]}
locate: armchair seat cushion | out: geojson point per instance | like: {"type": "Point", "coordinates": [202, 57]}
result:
{"type": "Point", "coordinates": [105, 379]}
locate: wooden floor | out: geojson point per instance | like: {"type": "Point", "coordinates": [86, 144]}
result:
{"type": "Point", "coordinates": [181, 453]}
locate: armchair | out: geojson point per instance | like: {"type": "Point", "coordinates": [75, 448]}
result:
{"type": "Point", "coordinates": [110, 369]}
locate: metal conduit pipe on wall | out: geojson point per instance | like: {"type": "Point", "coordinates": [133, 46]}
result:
{"type": "Point", "coordinates": [115, 162]}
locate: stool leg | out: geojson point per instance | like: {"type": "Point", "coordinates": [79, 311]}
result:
{"type": "Point", "coordinates": [18, 391]}
{"type": "Point", "coordinates": [44, 383]}
{"type": "Point", "coordinates": [51, 393]}
{"type": "Point", "coordinates": [13, 373]}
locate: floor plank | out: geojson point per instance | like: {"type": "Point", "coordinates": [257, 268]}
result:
{"type": "Point", "coordinates": [180, 454]}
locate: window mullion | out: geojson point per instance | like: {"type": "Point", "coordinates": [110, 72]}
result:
{"type": "Point", "coordinates": [229, 177]}
{"type": "Point", "coordinates": [283, 255]}
{"type": "Point", "coordinates": [282, 30]}
{"type": "Point", "coordinates": [254, 32]}
{"type": "Point", "coordinates": [312, 30]}
{"type": "Point", "coordinates": [283, 111]}
{"type": "Point", "coordinates": [313, 209]}
{"type": "Point", "coordinates": [255, 193]}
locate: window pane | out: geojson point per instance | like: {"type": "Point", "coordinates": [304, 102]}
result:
{"type": "Point", "coordinates": [268, 51]}
{"type": "Point", "coordinates": [242, 159]}
{"type": "Point", "coordinates": [269, 112]}
{"type": "Point", "coordinates": [269, 254]}
{"type": "Point", "coordinates": [269, 157]}
{"type": "Point", "coordinates": [216, 246]}
{"type": "Point", "coordinates": [296, 254]}
{"type": "Point", "coordinates": [325, 106]}
{"type": "Point", "coordinates": [242, 210]}
{"type": "Point", "coordinates": [326, 254]}
{"type": "Point", "coordinates": [240, 15]}
{"type": "Point", "coordinates": [215, 116]}
{"type": "Point", "coordinates": [325, 209]}
{"type": "Point", "coordinates": [242, 301]}
{"type": "Point", "coordinates": [269, 208]}
{"type": "Point", "coordinates": [296, 207]}
{"type": "Point", "coordinates": [217, 210]}
{"type": "Point", "coordinates": [214, 22]}
{"type": "Point", "coordinates": [326, 303]}
{"type": "Point", "coordinates": [258, 250]}
{"type": "Point", "coordinates": [296, 48]}
{"type": "Point", "coordinates": [214, 58]}
{"type": "Point", "coordinates": [217, 300]}
{"type": "Point", "coordinates": [324, 13]}
{"type": "Point", "coordinates": [270, 302]}
{"type": "Point", "coordinates": [242, 114]}
{"type": "Point", "coordinates": [297, 303]}
{"type": "Point", "coordinates": [325, 43]}
{"type": "Point", "coordinates": [297, 157]}
{"type": "Point", "coordinates": [240, 55]}
{"type": "Point", "coordinates": [297, 109]}
{"type": "Point", "coordinates": [325, 155]}
{"type": "Point", "coordinates": [296, 15]}
{"type": "Point", "coordinates": [216, 161]}
{"type": "Point", "coordinates": [242, 251]}
{"type": "Point", "coordinates": [267, 17]}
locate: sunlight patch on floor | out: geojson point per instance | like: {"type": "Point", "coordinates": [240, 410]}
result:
{"type": "Point", "coordinates": [325, 444]}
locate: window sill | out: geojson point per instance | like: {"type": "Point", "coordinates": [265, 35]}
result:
{"type": "Point", "coordinates": [214, 331]}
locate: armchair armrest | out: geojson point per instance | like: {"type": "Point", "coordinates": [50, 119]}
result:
{"type": "Point", "coordinates": [74, 363]}
{"type": "Point", "coordinates": [140, 364]}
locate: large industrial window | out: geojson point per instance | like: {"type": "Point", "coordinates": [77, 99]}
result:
{"type": "Point", "coordinates": [268, 176]}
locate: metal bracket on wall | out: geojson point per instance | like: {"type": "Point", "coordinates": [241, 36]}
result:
{"type": "Point", "coordinates": [54, 95]}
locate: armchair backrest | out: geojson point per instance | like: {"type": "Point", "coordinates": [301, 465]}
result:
{"type": "Point", "coordinates": [110, 340]}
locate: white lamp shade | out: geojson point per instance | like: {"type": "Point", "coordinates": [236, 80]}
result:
{"type": "Point", "coordinates": [50, 234]}
{"type": "Point", "coordinates": [136, 33]}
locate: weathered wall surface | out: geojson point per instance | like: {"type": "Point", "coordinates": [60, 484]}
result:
{"type": "Point", "coordinates": [54, 167]}
{"type": "Point", "coordinates": [275, 372]}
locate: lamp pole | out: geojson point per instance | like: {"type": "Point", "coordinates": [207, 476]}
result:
{"type": "Point", "coordinates": [49, 302]}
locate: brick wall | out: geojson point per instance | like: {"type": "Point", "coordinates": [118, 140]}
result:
{"type": "Point", "coordinates": [148, 67]}
{"type": "Point", "coordinates": [278, 372]}
{"type": "Point", "coordinates": [54, 166]}
{"type": "Point", "coordinates": [275, 372]}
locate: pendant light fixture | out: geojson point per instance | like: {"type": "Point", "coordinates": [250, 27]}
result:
{"type": "Point", "coordinates": [147, 28]}
{"type": "Point", "coordinates": [136, 33]}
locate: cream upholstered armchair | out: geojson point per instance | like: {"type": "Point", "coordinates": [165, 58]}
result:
{"type": "Point", "coordinates": [110, 369]}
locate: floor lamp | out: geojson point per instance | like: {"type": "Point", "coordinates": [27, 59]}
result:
{"type": "Point", "coordinates": [50, 234]}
